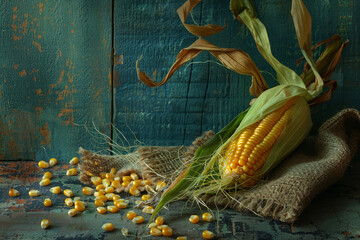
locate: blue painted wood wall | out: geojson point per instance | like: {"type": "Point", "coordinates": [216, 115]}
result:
{"type": "Point", "coordinates": [57, 67]}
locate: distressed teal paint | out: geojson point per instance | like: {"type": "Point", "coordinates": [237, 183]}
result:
{"type": "Point", "coordinates": [204, 96]}
{"type": "Point", "coordinates": [54, 76]}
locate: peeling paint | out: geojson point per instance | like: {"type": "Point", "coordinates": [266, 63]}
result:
{"type": "Point", "coordinates": [61, 76]}
{"type": "Point", "coordinates": [22, 73]}
{"type": "Point", "coordinates": [45, 133]}
{"type": "Point", "coordinates": [37, 45]}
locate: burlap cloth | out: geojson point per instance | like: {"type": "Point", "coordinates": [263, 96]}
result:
{"type": "Point", "coordinates": [317, 164]}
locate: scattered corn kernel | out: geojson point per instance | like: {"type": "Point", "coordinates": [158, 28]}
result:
{"type": "Point", "coordinates": [101, 210]}
{"type": "Point", "coordinates": [102, 198]}
{"type": "Point", "coordinates": [45, 223]}
{"type": "Point", "coordinates": [72, 212]}
{"type": "Point", "coordinates": [130, 215]}
{"type": "Point", "coordinates": [109, 196]}
{"type": "Point", "coordinates": [126, 179]}
{"type": "Point", "coordinates": [55, 190]}
{"type": "Point", "coordinates": [100, 187]}
{"type": "Point", "coordinates": [208, 235]}
{"type": "Point", "coordinates": [14, 193]}
{"type": "Point", "coordinates": [138, 219]}
{"type": "Point", "coordinates": [69, 202]}
{"type": "Point", "coordinates": [161, 226]}
{"type": "Point", "coordinates": [68, 193]}
{"type": "Point", "coordinates": [155, 232]}
{"type": "Point", "coordinates": [109, 176]}
{"type": "Point", "coordinates": [106, 182]}
{"type": "Point", "coordinates": [116, 197]}
{"type": "Point", "coordinates": [34, 193]}
{"type": "Point", "coordinates": [77, 199]}
{"type": "Point", "coordinates": [146, 182]}
{"type": "Point", "coordinates": [101, 192]}
{"type": "Point", "coordinates": [152, 225]}
{"type": "Point", "coordinates": [136, 183]}
{"type": "Point", "coordinates": [99, 203]}
{"type": "Point", "coordinates": [74, 161]}
{"type": "Point", "coordinates": [109, 189]}
{"type": "Point", "coordinates": [134, 191]}
{"type": "Point", "coordinates": [113, 171]}
{"type": "Point", "coordinates": [160, 185]}
{"type": "Point", "coordinates": [138, 202]}
{"type": "Point", "coordinates": [47, 202]}
{"type": "Point", "coordinates": [125, 184]}
{"type": "Point", "coordinates": [112, 209]}
{"type": "Point", "coordinates": [116, 184]}
{"type": "Point", "coordinates": [87, 191]}
{"type": "Point", "coordinates": [43, 164]}
{"type": "Point", "coordinates": [47, 175]}
{"type": "Point", "coordinates": [71, 172]}
{"type": "Point", "coordinates": [102, 175]}
{"type": "Point", "coordinates": [181, 238]}
{"type": "Point", "coordinates": [125, 232]}
{"type": "Point", "coordinates": [145, 197]}
{"type": "Point", "coordinates": [194, 219]}
{"type": "Point", "coordinates": [134, 176]}
{"type": "Point", "coordinates": [80, 206]}
{"type": "Point", "coordinates": [117, 179]}
{"type": "Point", "coordinates": [45, 182]}
{"type": "Point", "coordinates": [96, 180]}
{"type": "Point", "coordinates": [159, 220]}
{"type": "Point", "coordinates": [167, 232]}
{"type": "Point", "coordinates": [109, 227]}
{"type": "Point", "coordinates": [148, 209]}
{"type": "Point", "coordinates": [207, 217]}
{"type": "Point", "coordinates": [52, 161]}
{"type": "Point", "coordinates": [121, 205]}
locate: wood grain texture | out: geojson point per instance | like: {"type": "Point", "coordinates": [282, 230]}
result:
{"type": "Point", "coordinates": [54, 77]}
{"type": "Point", "coordinates": [203, 96]}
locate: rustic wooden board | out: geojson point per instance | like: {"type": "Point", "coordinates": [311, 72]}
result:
{"type": "Point", "coordinates": [54, 77]}
{"type": "Point", "coordinates": [204, 96]}
{"type": "Point", "coordinates": [332, 215]}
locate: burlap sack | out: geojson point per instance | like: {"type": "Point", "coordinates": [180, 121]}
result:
{"type": "Point", "coordinates": [317, 164]}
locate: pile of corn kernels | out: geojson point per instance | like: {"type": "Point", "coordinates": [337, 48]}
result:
{"type": "Point", "coordinates": [106, 186]}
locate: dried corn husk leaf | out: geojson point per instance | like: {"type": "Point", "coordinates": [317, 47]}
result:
{"type": "Point", "coordinates": [233, 59]}
{"type": "Point", "coordinates": [199, 31]}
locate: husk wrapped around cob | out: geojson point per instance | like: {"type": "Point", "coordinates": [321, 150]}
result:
{"type": "Point", "coordinates": [258, 139]}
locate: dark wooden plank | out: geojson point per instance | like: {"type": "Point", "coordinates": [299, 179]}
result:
{"type": "Point", "coordinates": [54, 76]}
{"type": "Point", "coordinates": [332, 215]}
{"type": "Point", "coordinates": [204, 95]}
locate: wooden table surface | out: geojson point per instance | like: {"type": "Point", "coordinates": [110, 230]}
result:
{"type": "Point", "coordinates": [335, 214]}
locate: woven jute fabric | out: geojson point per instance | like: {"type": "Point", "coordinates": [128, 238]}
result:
{"type": "Point", "coordinates": [319, 162]}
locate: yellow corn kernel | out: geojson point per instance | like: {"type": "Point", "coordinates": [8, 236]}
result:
{"type": "Point", "coordinates": [167, 232]}
{"type": "Point", "coordinates": [125, 232]}
{"type": "Point", "coordinates": [87, 191]}
{"type": "Point", "coordinates": [99, 187]}
{"type": "Point", "coordinates": [101, 210]}
{"type": "Point", "coordinates": [130, 215]}
{"type": "Point", "coordinates": [102, 198]}
{"type": "Point", "coordinates": [71, 172]}
{"type": "Point", "coordinates": [137, 202]}
{"type": "Point", "coordinates": [43, 164]}
{"type": "Point", "coordinates": [181, 238]}
{"type": "Point", "coordinates": [45, 182]}
{"type": "Point", "coordinates": [160, 185]}
{"type": "Point", "coordinates": [112, 209]}
{"type": "Point", "coordinates": [161, 226]}
{"type": "Point", "coordinates": [102, 175]}
{"type": "Point", "coordinates": [80, 206]}
{"type": "Point", "coordinates": [137, 183]}
{"type": "Point", "coordinates": [116, 184]}
{"type": "Point", "coordinates": [126, 179]}
{"type": "Point", "coordinates": [159, 220]}
{"type": "Point", "coordinates": [113, 171]}
{"type": "Point", "coordinates": [116, 197]}
{"type": "Point", "coordinates": [109, 176]}
{"type": "Point", "coordinates": [69, 202]}
{"type": "Point", "coordinates": [138, 219]}
{"type": "Point", "coordinates": [148, 209]}
{"type": "Point", "coordinates": [55, 190]}
{"type": "Point", "coordinates": [45, 223]}
{"type": "Point", "coordinates": [34, 193]}
{"type": "Point", "coordinates": [109, 196]}
{"type": "Point", "coordinates": [155, 232]}
{"type": "Point", "coordinates": [208, 217]}
{"type": "Point", "coordinates": [146, 182]}
{"type": "Point", "coordinates": [117, 179]}
{"type": "Point", "coordinates": [47, 175]}
{"type": "Point", "coordinates": [134, 176]}
{"type": "Point", "coordinates": [99, 203]}
{"type": "Point", "coordinates": [106, 182]}
{"type": "Point", "coordinates": [152, 225]}
{"type": "Point", "coordinates": [98, 194]}
{"type": "Point", "coordinates": [134, 191]}
{"type": "Point", "coordinates": [74, 161]}
{"type": "Point", "coordinates": [125, 184]}
{"type": "Point", "coordinates": [194, 219]}
{"type": "Point", "coordinates": [145, 197]}
{"type": "Point", "coordinates": [208, 235]}
{"type": "Point", "coordinates": [96, 180]}
{"type": "Point", "coordinates": [52, 161]}
{"type": "Point", "coordinates": [47, 202]}
{"type": "Point", "coordinates": [76, 199]}
{"type": "Point", "coordinates": [109, 227]}
{"type": "Point", "coordinates": [72, 212]}
{"type": "Point", "coordinates": [109, 189]}
{"type": "Point", "coordinates": [68, 193]}
{"type": "Point", "coordinates": [14, 193]}
{"type": "Point", "coordinates": [121, 205]}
